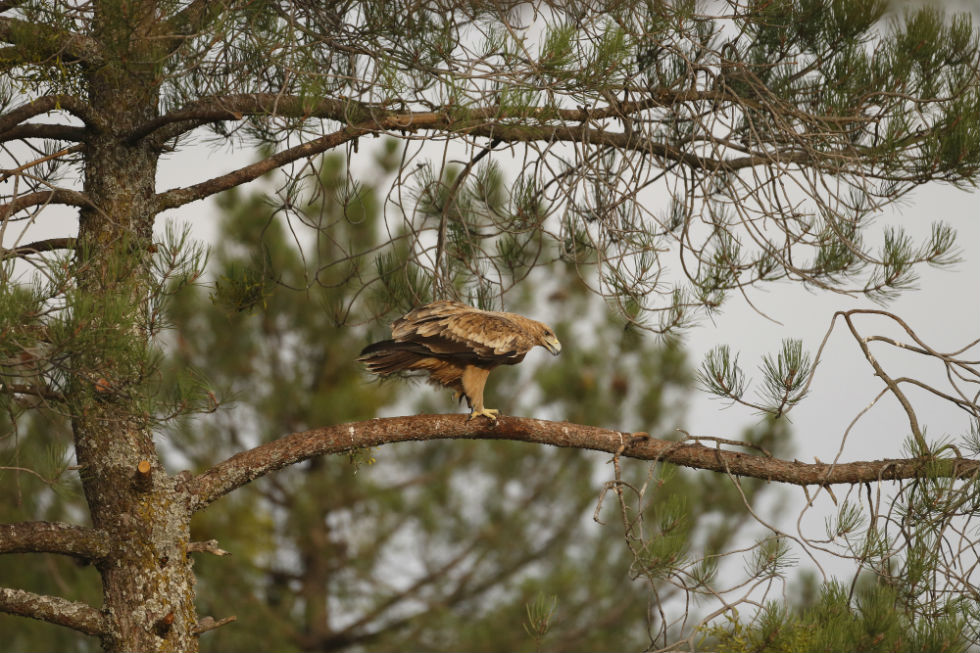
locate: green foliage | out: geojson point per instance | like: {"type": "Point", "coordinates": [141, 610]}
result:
{"type": "Point", "coordinates": [770, 558]}
{"type": "Point", "coordinates": [720, 373]}
{"type": "Point", "coordinates": [864, 105]}
{"type": "Point", "coordinates": [868, 621]}
{"type": "Point", "coordinates": [904, 595]}
{"type": "Point", "coordinates": [539, 615]}
{"type": "Point", "coordinates": [53, 320]}
{"type": "Point", "coordinates": [785, 377]}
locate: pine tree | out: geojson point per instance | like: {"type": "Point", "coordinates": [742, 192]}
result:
{"type": "Point", "coordinates": [772, 133]}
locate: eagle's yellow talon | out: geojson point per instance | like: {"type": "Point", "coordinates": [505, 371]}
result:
{"type": "Point", "coordinates": [489, 413]}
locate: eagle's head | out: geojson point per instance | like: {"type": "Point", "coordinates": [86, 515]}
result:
{"type": "Point", "coordinates": [549, 340]}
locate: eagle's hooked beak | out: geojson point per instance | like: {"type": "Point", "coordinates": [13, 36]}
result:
{"type": "Point", "coordinates": [552, 345]}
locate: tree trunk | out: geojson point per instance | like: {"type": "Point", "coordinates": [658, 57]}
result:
{"type": "Point", "coordinates": [148, 596]}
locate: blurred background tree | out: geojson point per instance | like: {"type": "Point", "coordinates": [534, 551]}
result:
{"type": "Point", "coordinates": [437, 546]}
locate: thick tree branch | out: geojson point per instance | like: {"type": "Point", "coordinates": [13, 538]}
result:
{"type": "Point", "coordinates": [73, 105]}
{"type": "Point", "coordinates": [411, 122]}
{"type": "Point", "coordinates": [40, 198]}
{"type": "Point", "coordinates": [40, 246]}
{"type": "Point", "coordinates": [38, 43]}
{"type": "Point", "coordinates": [50, 537]}
{"type": "Point", "coordinates": [51, 132]}
{"type": "Point", "coordinates": [208, 546]}
{"type": "Point", "coordinates": [210, 623]}
{"type": "Point", "coordinates": [236, 107]}
{"type": "Point", "coordinates": [52, 609]}
{"type": "Point", "coordinates": [249, 465]}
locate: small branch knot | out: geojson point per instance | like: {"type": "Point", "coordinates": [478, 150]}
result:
{"type": "Point", "coordinates": [143, 477]}
{"type": "Point", "coordinates": [210, 623]}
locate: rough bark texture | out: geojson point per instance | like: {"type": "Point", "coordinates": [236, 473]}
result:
{"type": "Point", "coordinates": [50, 537]}
{"type": "Point", "coordinates": [52, 609]}
{"type": "Point", "coordinates": [148, 596]}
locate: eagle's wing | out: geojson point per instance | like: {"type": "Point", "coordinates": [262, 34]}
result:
{"type": "Point", "coordinates": [449, 328]}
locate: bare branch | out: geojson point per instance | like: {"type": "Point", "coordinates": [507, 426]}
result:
{"type": "Point", "coordinates": [41, 130]}
{"type": "Point", "coordinates": [56, 196]}
{"type": "Point", "coordinates": [52, 609]}
{"type": "Point", "coordinates": [36, 247]}
{"type": "Point", "coordinates": [73, 105]}
{"type": "Point", "coordinates": [52, 537]}
{"type": "Point", "coordinates": [31, 389]}
{"type": "Point", "coordinates": [12, 172]}
{"type": "Point", "coordinates": [179, 196]}
{"type": "Point", "coordinates": [236, 107]}
{"type": "Point", "coordinates": [207, 546]}
{"type": "Point", "coordinates": [249, 465]}
{"type": "Point", "coordinates": [892, 385]}
{"type": "Point", "coordinates": [210, 623]}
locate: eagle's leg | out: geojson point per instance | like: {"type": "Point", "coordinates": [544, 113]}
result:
{"type": "Point", "coordinates": [474, 380]}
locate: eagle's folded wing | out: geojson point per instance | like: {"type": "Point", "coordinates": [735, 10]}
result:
{"type": "Point", "coordinates": [446, 328]}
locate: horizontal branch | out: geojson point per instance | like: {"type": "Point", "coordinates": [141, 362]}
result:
{"type": "Point", "coordinates": [237, 107]}
{"type": "Point", "coordinates": [52, 609]}
{"type": "Point", "coordinates": [207, 546]}
{"type": "Point", "coordinates": [210, 623]}
{"type": "Point", "coordinates": [50, 537]}
{"type": "Point", "coordinates": [439, 122]}
{"type": "Point", "coordinates": [49, 245]}
{"type": "Point", "coordinates": [46, 131]}
{"type": "Point", "coordinates": [69, 103]}
{"type": "Point", "coordinates": [591, 135]}
{"type": "Point", "coordinates": [40, 198]}
{"type": "Point", "coordinates": [221, 108]}
{"type": "Point", "coordinates": [249, 465]}
{"type": "Point", "coordinates": [31, 389]}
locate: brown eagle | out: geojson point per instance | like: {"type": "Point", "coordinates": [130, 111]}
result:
{"type": "Point", "coordinates": [457, 345]}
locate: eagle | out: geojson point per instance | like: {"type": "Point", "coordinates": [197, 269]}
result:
{"type": "Point", "coordinates": [457, 345]}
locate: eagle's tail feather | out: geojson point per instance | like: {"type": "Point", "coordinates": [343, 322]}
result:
{"type": "Point", "coordinates": [389, 357]}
